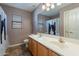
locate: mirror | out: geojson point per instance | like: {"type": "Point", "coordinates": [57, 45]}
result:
{"type": "Point", "coordinates": [62, 20]}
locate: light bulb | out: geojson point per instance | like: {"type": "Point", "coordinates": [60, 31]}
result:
{"type": "Point", "coordinates": [48, 4]}
{"type": "Point", "coordinates": [47, 8]}
{"type": "Point", "coordinates": [43, 7]}
{"type": "Point", "coordinates": [52, 6]}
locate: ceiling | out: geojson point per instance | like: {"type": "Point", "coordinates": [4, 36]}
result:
{"type": "Point", "coordinates": [25, 6]}
{"type": "Point", "coordinates": [55, 11]}
{"type": "Point", "coordinates": [32, 6]}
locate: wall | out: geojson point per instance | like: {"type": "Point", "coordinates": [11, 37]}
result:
{"type": "Point", "coordinates": [18, 35]}
{"type": "Point", "coordinates": [36, 12]}
{"type": "Point", "coordinates": [69, 7]}
{"type": "Point", "coordinates": [42, 23]}
{"type": "Point", "coordinates": [37, 18]}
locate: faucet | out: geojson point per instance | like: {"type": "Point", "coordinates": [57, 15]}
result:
{"type": "Point", "coordinates": [39, 35]}
{"type": "Point", "coordinates": [61, 40]}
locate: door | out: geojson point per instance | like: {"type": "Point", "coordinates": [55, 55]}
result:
{"type": "Point", "coordinates": [34, 47]}
{"type": "Point", "coordinates": [30, 45]}
{"type": "Point", "coordinates": [42, 51]}
{"type": "Point", "coordinates": [71, 23]}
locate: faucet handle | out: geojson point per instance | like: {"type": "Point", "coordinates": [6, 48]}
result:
{"type": "Point", "coordinates": [61, 40]}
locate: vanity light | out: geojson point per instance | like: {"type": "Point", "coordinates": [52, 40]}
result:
{"type": "Point", "coordinates": [47, 6]}
{"type": "Point", "coordinates": [47, 9]}
{"type": "Point", "coordinates": [43, 7]}
{"type": "Point", "coordinates": [52, 6]}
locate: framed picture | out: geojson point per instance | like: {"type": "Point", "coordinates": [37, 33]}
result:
{"type": "Point", "coordinates": [17, 22]}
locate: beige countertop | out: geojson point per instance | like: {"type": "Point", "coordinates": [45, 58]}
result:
{"type": "Point", "coordinates": [68, 48]}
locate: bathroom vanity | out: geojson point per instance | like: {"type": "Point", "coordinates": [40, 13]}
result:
{"type": "Point", "coordinates": [48, 45]}
{"type": "Point", "coordinates": [38, 49]}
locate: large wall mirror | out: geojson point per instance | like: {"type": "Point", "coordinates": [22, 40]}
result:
{"type": "Point", "coordinates": [62, 20]}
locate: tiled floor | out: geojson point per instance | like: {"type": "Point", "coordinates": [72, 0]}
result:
{"type": "Point", "coordinates": [18, 51]}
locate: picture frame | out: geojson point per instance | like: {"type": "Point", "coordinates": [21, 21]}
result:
{"type": "Point", "coordinates": [17, 22]}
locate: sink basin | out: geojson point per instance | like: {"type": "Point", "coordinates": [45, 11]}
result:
{"type": "Point", "coordinates": [52, 41]}
{"type": "Point", "coordinates": [60, 45]}
{"type": "Point", "coordinates": [55, 42]}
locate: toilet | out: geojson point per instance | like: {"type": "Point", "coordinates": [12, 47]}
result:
{"type": "Point", "coordinates": [26, 42]}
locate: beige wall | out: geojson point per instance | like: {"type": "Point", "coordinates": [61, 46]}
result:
{"type": "Point", "coordinates": [69, 7]}
{"type": "Point", "coordinates": [42, 19]}
{"type": "Point", "coordinates": [36, 13]}
{"type": "Point", "coordinates": [37, 18]}
{"type": "Point", "coordinates": [18, 35]}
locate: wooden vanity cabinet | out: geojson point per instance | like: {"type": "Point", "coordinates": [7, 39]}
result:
{"type": "Point", "coordinates": [42, 51]}
{"type": "Point", "coordinates": [32, 46]}
{"type": "Point", "coordinates": [52, 53]}
{"type": "Point", "coordinates": [37, 49]}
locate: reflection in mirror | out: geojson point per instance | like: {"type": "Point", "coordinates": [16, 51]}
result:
{"type": "Point", "coordinates": [52, 26]}
{"type": "Point", "coordinates": [49, 25]}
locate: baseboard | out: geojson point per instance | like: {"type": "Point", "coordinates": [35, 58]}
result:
{"type": "Point", "coordinates": [15, 45]}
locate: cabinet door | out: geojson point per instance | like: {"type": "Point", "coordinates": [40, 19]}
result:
{"type": "Point", "coordinates": [30, 45]}
{"type": "Point", "coordinates": [42, 51]}
{"type": "Point", "coordinates": [52, 53]}
{"type": "Point", "coordinates": [34, 47]}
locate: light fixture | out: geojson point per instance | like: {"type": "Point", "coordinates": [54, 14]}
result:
{"type": "Point", "coordinates": [48, 6]}
{"type": "Point", "coordinates": [52, 6]}
{"type": "Point", "coordinates": [59, 4]}
{"type": "Point", "coordinates": [43, 7]}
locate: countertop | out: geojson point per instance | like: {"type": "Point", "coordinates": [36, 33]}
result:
{"type": "Point", "coordinates": [68, 48]}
